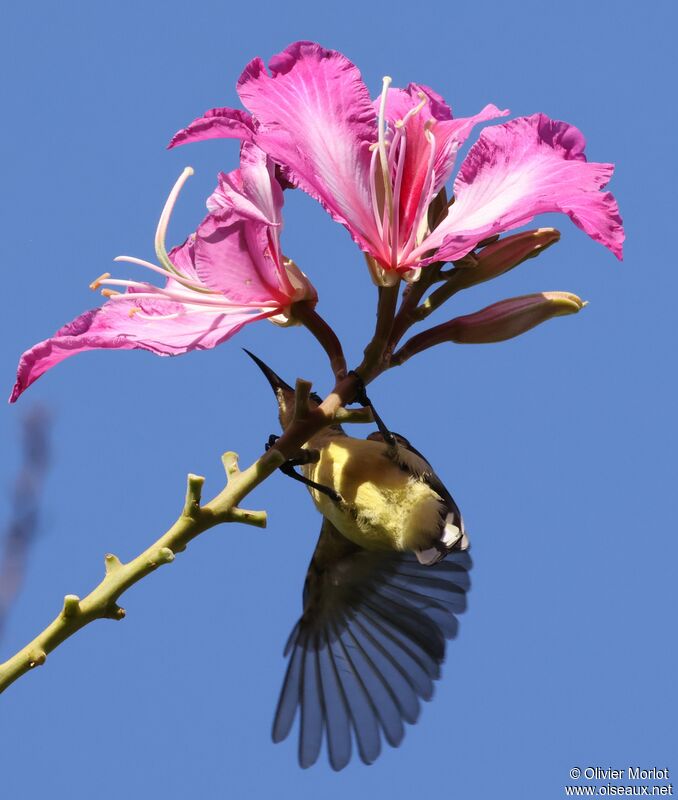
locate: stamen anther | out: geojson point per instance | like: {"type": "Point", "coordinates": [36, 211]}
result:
{"type": "Point", "coordinates": [95, 284]}
{"type": "Point", "coordinates": [110, 293]}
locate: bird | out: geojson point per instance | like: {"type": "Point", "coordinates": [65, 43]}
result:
{"type": "Point", "coordinates": [387, 579]}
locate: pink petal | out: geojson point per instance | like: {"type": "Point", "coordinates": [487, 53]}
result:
{"type": "Point", "coordinates": [531, 165]}
{"type": "Point", "coordinates": [417, 149]}
{"type": "Point", "coordinates": [315, 118]}
{"type": "Point", "coordinates": [234, 256]}
{"type": "Point", "coordinates": [400, 101]}
{"type": "Point", "coordinates": [449, 135]}
{"type": "Point", "coordinates": [253, 190]}
{"type": "Point", "coordinates": [183, 258]}
{"type": "Point", "coordinates": [217, 123]}
{"type": "Point", "coordinates": [112, 327]}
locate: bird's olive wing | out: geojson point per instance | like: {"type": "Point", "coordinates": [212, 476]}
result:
{"type": "Point", "coordinates": [367, 647]}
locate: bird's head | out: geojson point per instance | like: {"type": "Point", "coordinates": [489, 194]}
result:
{"type": "Point", "coordinates": [284, 393]}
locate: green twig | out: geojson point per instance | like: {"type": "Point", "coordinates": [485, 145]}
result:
{"type": "Point", "coordinates": [101, 602]}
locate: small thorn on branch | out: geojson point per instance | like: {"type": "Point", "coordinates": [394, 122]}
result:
{"type": "Point", "coordinates": [194, 484]}
{"type": "Point", "coordinates": [165, 555]}
{"type": "Point", "coordinates": [71, 606]}
{"type": "Point", "coordinates": [230, 462]}
{"type": "Point", "coordinates": [115, 612]}
{"type": "Point", "coordinates": [113, 563]}
{"type": "Point", "coordinates": [37, 659]}
{"type": "Point", "coordinates": [302, 392]}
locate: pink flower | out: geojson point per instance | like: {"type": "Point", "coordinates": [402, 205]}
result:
{"type": "Point", "coordinates": [376, 166]}
{"type": "Point", "coordinates": [230, 272]}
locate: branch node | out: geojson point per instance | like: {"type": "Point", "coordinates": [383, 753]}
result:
{"type": "Point", "coordinates": [71, 606]}
{"type": "Point", "coordinates": [194, 485]}
{"type": "Point", "coordinates": [113, 563]}
{"type": "Point", "coordinates": [37, 658]}
{"type": "Point", "coordinates": [230, 462]}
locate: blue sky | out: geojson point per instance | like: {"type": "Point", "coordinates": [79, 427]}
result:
{"type": "Point", "coordinates": [560, 446]}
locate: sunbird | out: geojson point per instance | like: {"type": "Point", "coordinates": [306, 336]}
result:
{"type": "Point", "coordinates": [379, 601]}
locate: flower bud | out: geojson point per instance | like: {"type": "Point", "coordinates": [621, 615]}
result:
{"type": "Point", "coordinates": [504, 254]}
{"type": "Point", "coordinates": [509, 318]}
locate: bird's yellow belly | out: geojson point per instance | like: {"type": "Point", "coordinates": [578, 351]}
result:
{"type": "Point", "coordinates": [384, 507]}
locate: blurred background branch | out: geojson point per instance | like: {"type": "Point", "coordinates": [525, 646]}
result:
{"type": "Point", "coordinates": [24, 515]}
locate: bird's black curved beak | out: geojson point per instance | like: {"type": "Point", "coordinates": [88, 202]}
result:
{"type": "Point", "coordinates": [277, 383]}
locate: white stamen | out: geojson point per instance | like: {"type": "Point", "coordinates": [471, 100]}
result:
{"type": "Point", "coordinates": [176, 275]}
{"type": "Point", "coordinates": [383, 156]}
{"type": "Point", "coordinates": [187, 298]}
{"type": "Point", "coordinates": [401, 125]}
{"type": "Point", "coordinates": [163, 222]}
{"type": "Point", "coordinates": [393, 148]}
{"type": "Point", "coordinates": [137, 312]}
{"type": "Point", "coordinates": [413, 111]}
{"type": "Point", "coordinates": [395, 222]}
{"type": "Point", "coordinates": [373, 193]}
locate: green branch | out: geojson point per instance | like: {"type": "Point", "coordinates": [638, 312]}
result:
{"type": "Point", "coordinates": [102, 601]}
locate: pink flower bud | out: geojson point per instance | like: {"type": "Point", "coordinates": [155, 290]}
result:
{"type": "Point", "coordinates": [496, 323]}
{"type": "Point", "coordinates": [505, 254]}
{"type": "Point", "coordinates": [509, 318]}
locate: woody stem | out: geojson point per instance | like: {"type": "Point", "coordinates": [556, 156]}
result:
{"type": "Point", "coordinates": [376, 351]}
{"type": "Point", "coordinates": [407, 313]}
{"type": "Point", "coordinates": [309, 317]}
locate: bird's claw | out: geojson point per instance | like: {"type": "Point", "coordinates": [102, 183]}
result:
{"type": "Point", "coordinates": [272, 439]}
{"type": "Point", "coordinates": [303, 457]}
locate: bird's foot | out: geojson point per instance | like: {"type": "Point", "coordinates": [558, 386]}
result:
{"type": "Point", "coordinates": [302, 457]}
